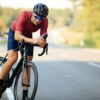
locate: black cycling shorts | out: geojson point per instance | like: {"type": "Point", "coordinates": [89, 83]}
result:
{"type": "Point", "coordinates": [13, 44]}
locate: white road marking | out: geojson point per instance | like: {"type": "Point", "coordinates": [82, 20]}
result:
{"type": "Point", "coordinates": [94, 64]}
{"type": "Point", "coordinates": [9, 94]}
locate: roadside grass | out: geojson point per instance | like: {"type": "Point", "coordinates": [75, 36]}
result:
{"type": "Point", "coordinates": [72, 38]}
{"type": "Point", "coordinates": [79, 39]}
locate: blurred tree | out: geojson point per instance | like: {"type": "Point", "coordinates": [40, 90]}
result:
{"type": "Point", "coordinates": [92, 21]}
{"type": "Point", "coordinates": [74, 2]}
{"type": "Point", "coordinates": [60, 17]}
{"type": "Point", "coordinates": [77, 23]}
{"type": "Point", "coordinates": [2, 26]}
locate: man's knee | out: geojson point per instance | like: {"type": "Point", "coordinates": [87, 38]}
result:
{"type": "Point", "coordinates": [12, 57]}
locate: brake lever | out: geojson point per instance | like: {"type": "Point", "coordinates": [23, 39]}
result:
{"type": "Point", "coordinates": [45, 49]}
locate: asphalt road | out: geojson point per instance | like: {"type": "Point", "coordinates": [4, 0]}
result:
{"type": "Point", "coordinates": [69, 74]}
{"type": "Point", "coordinates": [68, 80]}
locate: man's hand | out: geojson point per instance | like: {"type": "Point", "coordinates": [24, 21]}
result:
{"type": "Point", "coordinates": [40, 41]}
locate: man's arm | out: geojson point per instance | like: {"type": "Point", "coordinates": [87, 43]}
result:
{"type": "Point", "coordinates": [20, 37]}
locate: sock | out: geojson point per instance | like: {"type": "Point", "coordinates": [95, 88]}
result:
{"type": "Point", "coordinates": [25, 93]}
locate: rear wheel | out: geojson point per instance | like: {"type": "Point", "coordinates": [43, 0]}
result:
{"type": "Point", "coordinates": [18, 87]}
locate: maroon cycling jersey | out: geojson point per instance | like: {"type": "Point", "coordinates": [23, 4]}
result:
{"type": "Point", "coordinates": [23, 24]}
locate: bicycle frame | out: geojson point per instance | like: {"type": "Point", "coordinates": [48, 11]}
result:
{"type": "Point", "coordinates": [23, 61]}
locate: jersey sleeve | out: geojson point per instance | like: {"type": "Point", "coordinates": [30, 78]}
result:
{"type": "Point", "coordinates": [44, 27]}
{"type": "Point", "coordinates": [20, 22]}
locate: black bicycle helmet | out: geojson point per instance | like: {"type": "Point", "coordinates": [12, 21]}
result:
{"type": "Point", "coordinates": [41, 9]}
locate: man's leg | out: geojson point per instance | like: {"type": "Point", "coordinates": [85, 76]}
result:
{"type": "Point", "coordinates": [26, 79]}
{"type": "Point", "coordinates": [12, 58]}
{"type": "Point", "coordinates": [12, 55]}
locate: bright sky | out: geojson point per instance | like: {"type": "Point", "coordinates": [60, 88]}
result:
{"type": "Point", "coordinates": [30, 3]}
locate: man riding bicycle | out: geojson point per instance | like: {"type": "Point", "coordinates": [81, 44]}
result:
{"type": "Point", "coordinates": [21, 30]}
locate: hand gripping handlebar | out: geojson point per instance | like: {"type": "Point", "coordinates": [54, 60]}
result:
{"type": "Point", "coordinates": [45, 48]}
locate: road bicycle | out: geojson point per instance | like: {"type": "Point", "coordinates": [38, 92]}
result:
{"type": "Point", "coordinates": [16, 74]}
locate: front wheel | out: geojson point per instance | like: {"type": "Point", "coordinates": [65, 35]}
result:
{"type": "Point", "coordinates": [18, 87]}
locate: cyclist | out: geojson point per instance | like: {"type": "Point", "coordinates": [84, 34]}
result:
{"type": "Point", "coordinates": [21, 29]}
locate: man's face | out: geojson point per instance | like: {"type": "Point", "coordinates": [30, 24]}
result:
{"type": "Point", "coordinates": [37, 19]}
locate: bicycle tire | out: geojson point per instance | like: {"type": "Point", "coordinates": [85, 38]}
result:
{"type": "Point", "coordinates": [18, 88]}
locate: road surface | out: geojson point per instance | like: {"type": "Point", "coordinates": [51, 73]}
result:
{"type": "Point", "coordinates": [69, 74]}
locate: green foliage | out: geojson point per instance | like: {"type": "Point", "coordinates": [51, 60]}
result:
{"type": "Point", "coordinates": [87, 20]}
{"type": "Point", "coordinates": [92, 21]}
{"type": "Point", "coordinates": [88, 40]}
{"type": "Point", "coordinates": [7, 15]}
{"type": "Point", "coordinates": [60, 18]}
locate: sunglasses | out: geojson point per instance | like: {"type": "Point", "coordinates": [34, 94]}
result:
{"type": "Point", "coordinates": [39, 17]}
